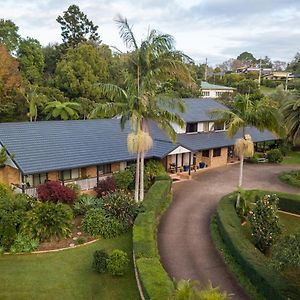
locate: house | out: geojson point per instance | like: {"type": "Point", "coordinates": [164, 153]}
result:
{"type": "Point", "coordinates": [279, 75]}
{"type": "Point", "coordinates": [86, 151]}
{"type": "Point", "coordinates": [214, 91]}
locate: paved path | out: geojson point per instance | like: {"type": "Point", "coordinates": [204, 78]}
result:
{"type": "Point", "coordinates": [184, 242]}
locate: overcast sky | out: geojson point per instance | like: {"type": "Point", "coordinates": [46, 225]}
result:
{"type": "Point", "coordinates": [216, 29]}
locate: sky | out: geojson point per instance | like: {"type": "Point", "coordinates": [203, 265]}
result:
{"type": "Point", "coordinates": [212, 29]}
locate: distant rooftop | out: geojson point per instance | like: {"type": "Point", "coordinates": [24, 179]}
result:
{"type": "Point", "coordinates": [208, 86]}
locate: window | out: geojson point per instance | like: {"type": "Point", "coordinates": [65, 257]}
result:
{"type": "Point", "coordinates": [218, 94]}
{"type": "Point", "coordinates": [206, 126]}
{"type": "Point", "coordinates": [36, 179]}
{"type": "Point", "coordinates": [219, 126]}
{"type": "Point", "coordinates": [217, 152]}
{"type": "Point", "coordinates": [70, 174]}
{"type": "Point", "coordinates": [205, 153]}
{"type": "Point", "coordinates": [104, 169]}
{"type": "Point", "coordinates": [206, 93]}
{"type": "Point", "coordinates": [191, 127]}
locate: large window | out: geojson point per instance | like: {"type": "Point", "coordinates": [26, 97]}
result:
{"type": "Point", "coordinates": [104, 169]}
{"type": "Point", "coordinates": [206, 93]}
{"type": "Point", "coordinates": [70, 174]}
{"type": "Point", "coordinates": [217, 152]}
{"type": "Point", "coordinates": [219, 125]}
{"type": "Point", "coordinates": [36, 179]}
{"type": "Point", "coordinates": [206, 126]}
{"type": "Point", "coordinates": [191, 127]}
{"type": "Point", "coordinates": [205, 153]}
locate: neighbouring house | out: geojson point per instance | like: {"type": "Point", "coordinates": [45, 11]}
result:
{"type": "Point", "coordinates": [86, 151]}
{"type": "Point", "coordinates": [279, 75]}
{"type": "Point", "coordinates": [213, 90]}
{"type": "Point", "coordinates": [246, 70]}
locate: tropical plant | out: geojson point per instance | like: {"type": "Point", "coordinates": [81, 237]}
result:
{"type": "Point", "coordinates": [274, 156]}
{"type": "Point", "coordinates": [264, 222]}
{"type": "Point", "coordinates": [3, 157]}
{"type": "Point", "coordinates": [100, 261]}
{"type": "Point", "coordinates": [248, 111]}
{"type": "Point", "coordinates": [117, 262]}
{"type": "Point", "coordinates": [149, 65]}
{"type": "Point", "coordinates": [124, 179]}
{"type": "Point", "coordinates": [62, 110]}
{"type": "Point", "coordinates": [48, 221]}
{"type": "Point", "coordinates": [291, 114]}
{"type": "Point", "coordinates": [24, 243]}
{"type": "Point", "coordinates": [85, 202]}
{"type": "Point", "coordinates": [153, 168]}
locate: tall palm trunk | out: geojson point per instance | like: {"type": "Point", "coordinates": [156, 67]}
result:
{"type": "Point", "coordinates": [240, 180]}
{"type": "Point", "coordinates": [142, 176]}
{"type": "Point", "coordinates": [137, 178]}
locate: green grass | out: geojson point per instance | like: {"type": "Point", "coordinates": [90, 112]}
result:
{"type": "Point", "coordinates": [291, 223]}
{"type": "Point", "coordinates": [292, 157]}
{"type": "Point", "coordinates": [66, 275]}
{"type": "Point", "coordinates": [267, 90]}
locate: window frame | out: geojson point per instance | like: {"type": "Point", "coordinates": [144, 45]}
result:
{"type": "Point", "coordinates": [106, 169]}
{"type": "Point", "coordinates": [217, 152]}
{"type": "Point", "coordinates": [195, 126]}
{"type": "Point", "coordinates": [205, 153]}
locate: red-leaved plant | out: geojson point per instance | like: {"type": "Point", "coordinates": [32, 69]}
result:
{"type": "Point", "coordinates": [54, 191]}
{"type": "Point", "coordinates": [106, 186]}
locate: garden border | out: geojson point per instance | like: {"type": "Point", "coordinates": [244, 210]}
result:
{"type": "Point", "coordinates": [268, 282]}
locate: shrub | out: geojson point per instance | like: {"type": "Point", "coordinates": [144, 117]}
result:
{"type": "Point", "coordinates": [100, 261]}
{"type": "Point", "coordinates": [124, 179]}
{"type": "Point", "coordinates": [81, 240]}
{"type": "Point", "coordinates": [5, 191]}
{"type": "Point", "coordinates": [12, 214]}
{"type": "Point", "coordinates": [54, 191]}
{"type": "Point", "coordinates": [85, 202]}
{"type": "Point", "coordinates": [117, 262]}
{"type": "Point", "coordinates": [122, 206]}
{"type": "Point", "coordinates": [212, 293]}
{"type": "Point", "coordinates": [98, 223]}
{"type": "Point", "coordinates": [264, 222]}
{"type": "Point", "coordinates": [275, 156]}
{"type": "Point", "coordinates": [105, 186]}
{"type": "Point", "coordinates": [48, 220]}
{"type": "Point", "coordinates": [24, 243]}
{"type": "Point", "coordinates": [292, 178]}
{"type": "Point", "coordinates": [153, 168]}
{"type": "Point", "coordinates": [75, 187]}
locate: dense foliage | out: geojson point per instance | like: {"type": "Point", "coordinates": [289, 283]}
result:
{"type": "Point", "coordinates": [24, 243]}
{"type": "Point", "coordinates": [85, 202]}
{"type": "Point", "coordinates": [117, 262]}
{"type": "Point", "coordinates": [264, 222]}
{"type": "Point", "coordinates": [47, 221]}
{"type": "Point", "coordinates": [100, 261]}
{"type": "Point", "coordinates": [106, 186]}
{"type": "Point", "coordinates": [153, 168]}
{"type": "Point", "coordinates": [124, 179]}
{"type": "Point", "coordinates": [274, 156]}
{"type": "Point", "coordinates": [292, 178]}
{"type": "Point", "coordinates": [55, 192]}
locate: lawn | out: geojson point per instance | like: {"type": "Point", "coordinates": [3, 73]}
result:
{"type": "Point", "coordinates": [66, 275]}
{"type": "Point", "coordinates": [267, 90]}
{"type": "Point", "coordinates": [292, 157]}
{"type": "Point", "coordinates": [290, 222]}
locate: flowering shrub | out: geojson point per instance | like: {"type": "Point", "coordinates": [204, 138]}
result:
{"type": "Point", "coordinates": [54, 191]}
{"type": "Point", "coordinates": [264, 222]}
{"type": "Point", "coordinates": [106, 186]}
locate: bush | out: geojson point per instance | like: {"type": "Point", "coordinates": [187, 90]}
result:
{"type": "Point", "coordinates": [105, 186]}
{"type": "Point", "coordinates": [274, 156]}
{"type": "Point", "coordinates": [153, 168]}
{"type": "Point", "coordinates": [124, 179]}
{"type": "Point", "coordinates": [12, 215]}
{"type": "Point", "coordinates": [122, 206]}
{"type": "Point", "coordinates": [75, 187]}
{"type": "Point", "coordinates": [48, 221]}
{"type": "Point", "coordinates": [100, 261]}
{"type": "Point", "coordinates": [54, 191]}
{"type": "Point", "coordinates": [264, 222]}
{"type": "Point", "coordinates": [117, 262]}
{"type": "Point", "coordinates": [81, 240]}
{"type": "Point", "coordinates": [85, 202]}
{"type": "Point", "coordinates": [5, 191]}
{"type": "Point", "coordinates": [98, 223]}
{"type": "Point", "coordinates": [292, 178]}
{"type": "Point", "coordinates": [24, 243]}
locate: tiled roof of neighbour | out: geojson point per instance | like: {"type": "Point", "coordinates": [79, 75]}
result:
{"type": "Point", "coordinates": [203, 141]}
{"type": "Point", "coordinates": [200, 113]}
{"type": "Point", "coordinates": [57, 145]}
{"type": "Point", "coordinates": [208, 86]}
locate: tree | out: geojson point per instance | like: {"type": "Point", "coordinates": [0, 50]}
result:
{"type": "Point", "coordinates": [247, 57]}
{"type": "Point", "coordinates": [52, 54]}
{"type": "Point", "coordinates": [248, 111]}
{"type": "Point", "coordinates": [9, 36]}
{"type": "Point", "coordinates": [291, 115]}
{"type": "Point", "coordinates": [279, 65]}
{"type": "Point", "coordinates": [247, 86]}
{"type": "Point", "coordinates": [294, 65]}
{"type": "Point", "coordinates": [149, 65]}
{"type": "Point", "coordinates": [81, 70]}
{"type": "Point", "coordinates": [31, 59]}
{"type": "Point", "coordinates": [62, 110]}
{"type": "Point", "coordinates": [77, 28]}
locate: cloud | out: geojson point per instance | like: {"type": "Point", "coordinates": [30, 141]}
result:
{"type": "Point", "coordinates": [217, 29]}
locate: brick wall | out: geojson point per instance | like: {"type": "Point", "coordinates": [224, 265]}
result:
{"type": "Point", "coordinates": [9, 175]}
{"type": "Point", "coordinates": [90, 171]}
{"type": "Point", "coordinates": [53, 176]}
{"type": "Point", "coordinates": [220, 160]}
{"type": "Point", "coordinates": [115, 167]}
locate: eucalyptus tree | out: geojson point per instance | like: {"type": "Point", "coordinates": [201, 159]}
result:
{"type": "Point", "coordinates": [247, 112]}
{"type": "Point", "coordinates": [62, 110]}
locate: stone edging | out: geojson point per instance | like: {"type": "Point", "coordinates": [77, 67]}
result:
{"type": "Point", "coordinates": [137, 278]}
{"type": "Point", "coordinates": [53, 250]}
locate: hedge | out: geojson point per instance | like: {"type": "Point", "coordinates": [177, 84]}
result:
{"type": "Point", "coordinates": [155, 282]}
{"type": "Point", "coordinates": [255, 265]}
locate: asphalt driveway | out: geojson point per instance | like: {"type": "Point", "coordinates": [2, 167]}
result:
{"type": "Point", "coordinates": [184, 241]}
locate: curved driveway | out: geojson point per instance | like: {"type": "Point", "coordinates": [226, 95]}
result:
{"type": "Point", "coordinates": [185, 246]}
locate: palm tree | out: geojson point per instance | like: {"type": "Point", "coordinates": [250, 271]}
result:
{"type": "Point", "coordinates": [246, 112]}
{"type": "Point", "coordinates": [62, 110]}
{"type": "Point", "coordinates": [291, 115]}
{"type": "Point", "coordinates": [149, 65]}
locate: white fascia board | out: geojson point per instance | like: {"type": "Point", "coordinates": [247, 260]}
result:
{"type": "Point", "coordinates": [179, 150]}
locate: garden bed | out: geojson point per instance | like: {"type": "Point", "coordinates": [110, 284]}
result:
{"type": "Point", "coordinates": [291, 178]}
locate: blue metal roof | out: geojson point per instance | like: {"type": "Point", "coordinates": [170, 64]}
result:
{"type": "Point", "coordinates": [208, 86]}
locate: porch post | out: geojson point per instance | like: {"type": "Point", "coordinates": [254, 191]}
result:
{"type": "Point", "coordinates": [23, 184]}
{"type": "Point", "coordinates": [62, 177]}
{"type": "Point", "coordinates": [166, 163]}
{"type": "Point", "coordinates": [190, 158]}
{"type": "Point", "coordinates": [176, 170]}
{"type": "Point", "coordinates": [264, 146]}
{"type": "Point", "coordinates": [97, 175]}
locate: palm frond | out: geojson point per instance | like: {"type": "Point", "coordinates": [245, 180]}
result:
{"type": "Point", "coordinates": [126, 32]}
